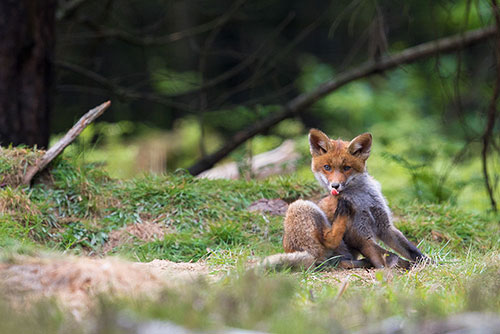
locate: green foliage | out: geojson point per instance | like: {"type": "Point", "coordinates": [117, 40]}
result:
{"type": "Point", "coordinates": [168, 81]}
{"type": "Point", "coordinates": [427, 186]}
{"type": "Point", "coordinates": [78, 234]}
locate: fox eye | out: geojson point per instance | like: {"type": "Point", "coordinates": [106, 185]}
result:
{"type": "Point", "coordinates": [346, 168]}
{"type": "Point", "coordinates": [327, 168]}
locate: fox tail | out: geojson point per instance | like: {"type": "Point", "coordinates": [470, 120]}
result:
{"type": "Point", "coordinates": [295, 260]}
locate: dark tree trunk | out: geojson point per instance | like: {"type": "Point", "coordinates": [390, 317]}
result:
{"type": "Point", "coordinates": [27, 39]}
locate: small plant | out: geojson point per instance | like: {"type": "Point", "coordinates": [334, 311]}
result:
{"type": "Point", "coordinates": [227, 232]}
{"type": "Point", "coordinates": [428, 185]}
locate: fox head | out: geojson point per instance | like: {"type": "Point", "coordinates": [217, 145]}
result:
{"type": "Point", "coordinates": [336, 162]}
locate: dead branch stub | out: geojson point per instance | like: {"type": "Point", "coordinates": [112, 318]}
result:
{"type": "Point", "coordinates": [68, 138]}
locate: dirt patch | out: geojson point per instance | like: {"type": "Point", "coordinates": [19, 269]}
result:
{"type": "Point", "coordinates": [364, 276]}
{"type": "Point", "coordinates": [146, 231]}
{"type": "Point", "coordinates": [273, 206]}
{"type": "Point", "coordinates": [75, 282]}
{"type": "Point", "coordinates": [181, 271]}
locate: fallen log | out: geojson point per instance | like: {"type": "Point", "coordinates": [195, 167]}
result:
{"type": "Point", "coordinates": [68, 138]}
{"type": "Point", "coordinates": [280, 160]}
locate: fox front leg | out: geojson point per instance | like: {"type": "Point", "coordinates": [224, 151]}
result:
{"type": "Point", "coordinates": [393, 237]}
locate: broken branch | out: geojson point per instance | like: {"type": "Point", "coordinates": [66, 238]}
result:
{"type": "Point", "coordinates": [68, 138]}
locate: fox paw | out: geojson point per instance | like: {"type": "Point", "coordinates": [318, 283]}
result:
{"type": "Point", "coordinates": [344, 208]}
{"type": "Point", "coordinates": [394, 261]}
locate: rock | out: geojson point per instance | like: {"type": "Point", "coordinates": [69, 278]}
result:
{"type": "Point", "coordinates": [275, 206]}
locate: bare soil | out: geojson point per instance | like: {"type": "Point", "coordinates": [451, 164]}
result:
{"type": "Point", "coordinates": [74, 282]}
{"type": "Point", "coordinates": [145, 231]}
{"type": "Point", "coordinates": [275, 206]}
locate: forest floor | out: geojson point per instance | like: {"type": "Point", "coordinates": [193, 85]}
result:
{"type": "Point", "coordinates": [82, 252]}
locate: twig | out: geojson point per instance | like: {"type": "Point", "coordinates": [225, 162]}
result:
{"type": "Point", "coordinates": [118, 90]}
{"type": "Point", "coordinates": [109, 86]}
{"type": "Point", "coordinates": [267, 64]}
{"type": "Point", "coordinates": [343, 288]}
{"type": "Point", "coordinates": [68, 8]}
{"type": "Point", "coordinates": [302, 101]}
{"type": "Point", "coordinates": [68, 138]}
{"type": "Point", "coordinates": [240, 66]}
{"type": "Point", "coordinates": [131, 38]}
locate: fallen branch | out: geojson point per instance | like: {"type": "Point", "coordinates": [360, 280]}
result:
{"type": "Point", "coordinates": [277, 161]}
{"type": "Point", "coordinates": [68, 138]}
{"type": "Point", "coordinates": [302, 101]}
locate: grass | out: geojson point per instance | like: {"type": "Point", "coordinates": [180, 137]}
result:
{"type": "Point", "coordinates": [82, 205]}
{"type": "Point", "coordinates": [79, 206]}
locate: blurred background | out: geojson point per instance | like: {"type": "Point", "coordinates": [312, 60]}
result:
{"type": "Point", "coordinates": [191, 78]}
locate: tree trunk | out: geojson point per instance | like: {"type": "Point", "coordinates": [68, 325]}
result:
{"type": "Point", "coordinates": [27, 39]}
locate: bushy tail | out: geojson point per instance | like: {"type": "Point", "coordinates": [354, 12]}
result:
{"type": "Point", "coordinates": [295, 260]}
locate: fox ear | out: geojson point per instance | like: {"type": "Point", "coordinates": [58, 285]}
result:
{"type": "Point", "coordinates": [319, 143]}
{"type": "Point", "coordinates": [361, 145]}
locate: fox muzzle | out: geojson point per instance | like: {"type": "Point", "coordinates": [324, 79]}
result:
{"type": "Point", "coordinates": [336, 188]}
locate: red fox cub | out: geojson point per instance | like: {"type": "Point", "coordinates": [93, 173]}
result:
{"type": "Point", "coordinates": [349, 220]}
{"type": "Point", "coordinates": [340, 167]}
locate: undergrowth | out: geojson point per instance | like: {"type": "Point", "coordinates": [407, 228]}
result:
{"type": "Point", "coordinates": [79, 206]}
{"type": "Point", "coordinates": [82, 205]}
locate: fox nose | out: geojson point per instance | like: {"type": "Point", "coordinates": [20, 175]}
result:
{"type": "Point", "coordinates": [335, 185]}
